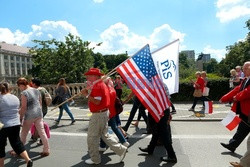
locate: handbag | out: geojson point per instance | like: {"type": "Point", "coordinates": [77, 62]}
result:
{"type": "Point", "coordinates": [206, 91]}
{"type": "Point", "coordinates": [197, 93]}
{"type": "Point", "coordinates": [118, 106]}
{"type": "Point", "coordinates": [57, 100]}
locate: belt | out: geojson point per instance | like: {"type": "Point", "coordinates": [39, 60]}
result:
{"type": "Point", "coordinates": [99, 111]}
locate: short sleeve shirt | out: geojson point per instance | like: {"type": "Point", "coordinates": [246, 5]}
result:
{"type": "Point", "coordinates": [33, 103]}
{"type": "Point", "coordinates": [99, 91]}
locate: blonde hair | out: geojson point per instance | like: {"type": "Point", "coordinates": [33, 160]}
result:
{"type": "Point", "coordinates": [233, 72]}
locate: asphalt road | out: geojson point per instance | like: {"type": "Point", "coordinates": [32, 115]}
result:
{"type": "Point", "coordinates": [196, 143]}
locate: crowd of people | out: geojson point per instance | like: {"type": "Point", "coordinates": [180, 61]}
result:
{"type": "Point", "coordinates": [18, 114]}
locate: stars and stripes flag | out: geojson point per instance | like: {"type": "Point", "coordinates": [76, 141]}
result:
{"type": "Point", "coordinates": [141, 76]}
{"type": "Point", "coordinates": [231, 121]}
{"type": "Point", "coordinates": [208, 107]}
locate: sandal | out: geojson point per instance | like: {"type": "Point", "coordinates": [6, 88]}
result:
{"type": "Point", "coordinates": [44, 154]}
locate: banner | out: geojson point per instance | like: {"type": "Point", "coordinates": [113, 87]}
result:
{"type": "Point", "coordinates": [166, 60]}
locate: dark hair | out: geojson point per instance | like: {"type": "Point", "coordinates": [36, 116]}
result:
{"type": "Point", "coordinates": [4, 88]}
{"type": "Point", "coordinates": [22, 81]}
{"type": "Point", "coordinates": [36, 81]}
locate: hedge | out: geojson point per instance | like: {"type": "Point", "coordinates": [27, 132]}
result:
{"type": "Point", "coordinates": [218, 87]}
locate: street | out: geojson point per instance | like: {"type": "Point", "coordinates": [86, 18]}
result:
{"type": "Point", "coordinates": [196, 143]}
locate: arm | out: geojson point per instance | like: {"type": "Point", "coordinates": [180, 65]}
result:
{"type": "Point", "coordinates": [23, 107]}
{"type": "Point", "coordinates": [129, 97]}
{"type": "Point", "coordinates": [243, 95]}
{"type": "Point", "coordinates": [90, 98]}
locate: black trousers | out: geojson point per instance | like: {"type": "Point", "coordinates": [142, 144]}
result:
{"type": "Point", "coordinates": [241, 133]}
{"type": "Point", "coordinates": [161, 130]}
{"type": "Point", "coordinates": [137, 104]}
{"type": "Point", "coordinates": [13, 134]}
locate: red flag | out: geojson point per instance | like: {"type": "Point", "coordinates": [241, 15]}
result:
{"type": "Point", "coordinates": [208, 107]}
{"type": "Point", "coordinates": [231, 121]}
{"type": "Point", "coordinates": [140, 74]}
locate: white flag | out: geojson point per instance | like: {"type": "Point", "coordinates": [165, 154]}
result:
{"type": "Point", "coordinates": [166, 60]}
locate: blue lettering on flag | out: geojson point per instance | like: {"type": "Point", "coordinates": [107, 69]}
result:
{"type": "Point", "coordinates": [168, 67]}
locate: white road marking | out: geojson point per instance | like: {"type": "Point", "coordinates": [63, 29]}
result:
{"type": "Point", "coordinates": [149, 136]}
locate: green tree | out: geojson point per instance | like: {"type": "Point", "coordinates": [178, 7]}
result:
{"type": "Point", "coordinates": [112, 61]}
{"type": "Point", "coordinates": [211, 66]}
{"type": "Point", "coordinates": [186, 66]}
{"type": "Point", "coordinates": [239, 52]}
{"type": "Point", "coordinates": [100, 62]}
{"type": "Point", "coordinates": [55, 59]}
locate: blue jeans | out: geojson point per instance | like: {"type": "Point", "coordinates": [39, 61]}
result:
{"type": "Point", "coordinates": [113, 124]}
{"type": "Point", "coordinates": [65, 106]}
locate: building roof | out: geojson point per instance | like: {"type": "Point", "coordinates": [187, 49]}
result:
{"type": "Point", "coordinates": [13, 48]}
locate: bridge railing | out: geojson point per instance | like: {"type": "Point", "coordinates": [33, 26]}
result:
{"type": "Point", "coordinates": [75, 88]}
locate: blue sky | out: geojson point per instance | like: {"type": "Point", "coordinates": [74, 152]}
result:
{"type": "Point", "coordinates": [206, 26]}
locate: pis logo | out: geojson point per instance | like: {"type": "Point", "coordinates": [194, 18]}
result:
{"type": "Point", "coordinates": [168, 67]}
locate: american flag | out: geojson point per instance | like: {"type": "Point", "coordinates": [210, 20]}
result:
{"type": "Point", "coordinates": [140, 74]}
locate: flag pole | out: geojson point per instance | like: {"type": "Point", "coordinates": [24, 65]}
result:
{"type": "Point", "coordinates": [84, 85]}
{"type": "Point", "coordinates": [245, 123]}
{"type": "Point", "coordinates": [165, 46]}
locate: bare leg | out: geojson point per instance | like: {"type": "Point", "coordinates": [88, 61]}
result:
{"type": "Point", "coordinates": [1, 162]}
{"type": "Point", "coordinates": [25, 156]}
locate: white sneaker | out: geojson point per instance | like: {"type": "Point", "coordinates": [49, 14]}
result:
{"type": "Point", "coordinates": [102, 149]}
{"type": "Point", "coordinates": [123, 155]}
{"type": "Point", "coordinates": [90, 162]}
{"type": "Point", "coordinates": [126, 144]}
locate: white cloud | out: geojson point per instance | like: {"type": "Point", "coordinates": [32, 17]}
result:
{"type": "Point", "coordinates": [98, 1]}
{"type": "Point", "coordinates": [218, 54]}
{"type": "Point", "coordinates": [119, 39]}
{"type": "Point", "coordinates": [44, 31]}
{"type": "Point", "coordinates": [229, 10]}
{"type": "Point", "coordinates": [16, 37]}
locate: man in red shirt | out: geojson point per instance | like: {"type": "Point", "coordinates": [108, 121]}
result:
{"type": "Point", "coordinates": [99, 101]}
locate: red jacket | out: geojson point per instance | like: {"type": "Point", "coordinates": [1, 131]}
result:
{"type": "Point", "coordinates": [241, 96]}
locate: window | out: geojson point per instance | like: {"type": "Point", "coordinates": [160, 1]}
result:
{"type": "Point", "coordinates": [5, 57]}
{"type": "Point", "coordinates": [11, 57]}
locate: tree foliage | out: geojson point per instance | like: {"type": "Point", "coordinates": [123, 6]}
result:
{"type": "Point", "coordinates": [55, 59]}
{"type": "Point", "coordinates": [239, 52]}
{"type": "Point", "coordinates": [112, 61]}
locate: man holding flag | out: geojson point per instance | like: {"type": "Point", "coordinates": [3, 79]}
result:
{"type": "Point", "coordinates": [140, 74]}
{"type": "Point", "coordinates": [240, 96]}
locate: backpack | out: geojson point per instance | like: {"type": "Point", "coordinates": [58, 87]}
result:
{"type": "Point", "coordinates": [48, 98]}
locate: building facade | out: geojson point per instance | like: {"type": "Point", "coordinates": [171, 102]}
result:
{"type": "Point", "coordinates": [15, 62]}
{"type": "Point", "coordinates": [189, 53]}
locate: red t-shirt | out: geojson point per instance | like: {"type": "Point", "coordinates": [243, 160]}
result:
{"type": "Point", "coordinates": [100, 91]}
{"type": "Point", "coordinates": [112, 93]}
{"type": "Point", "coordinates": [201, 82]}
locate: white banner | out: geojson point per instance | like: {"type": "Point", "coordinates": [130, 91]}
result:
{"type": "Point", "coordinates": [166, 60]}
